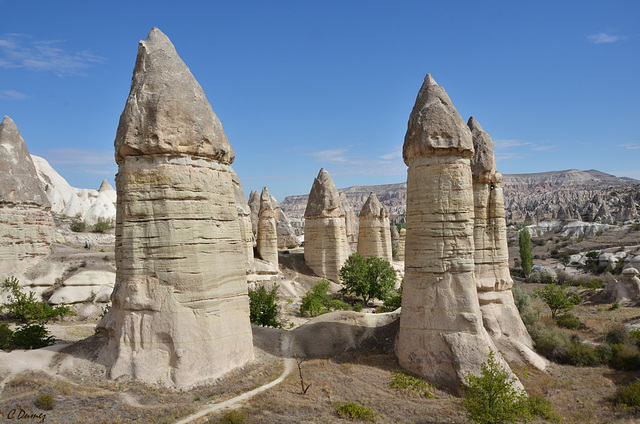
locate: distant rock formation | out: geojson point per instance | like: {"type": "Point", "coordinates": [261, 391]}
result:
{"type": "Point", "coordinates": [267, 234]}
{"type": "Point", "coordinates": [325, 242]}
{"type": "Point", "coordinates": [351, 223]}
{"type": "Point", "coordinates": [500, 316]}
{"type": "Point", "coordinates": [91, 206]}
{"type": "Point", "coordinates": [374, 236]}
{"type": "Point", "coordinates": [625, 290]}
{"type": "Point", "coordinates": [254, 205]}
{"type": "Point", "coordinates": [401, 243]}
{"type": "Point", "coordinates": [441, 335]}
{"type": "Point", "coordinates": [26, 225]}
{"type": "Point", "coordinates": [180, 310]}
{"type": "Point", "coordinates": [286, 233]}
{"type": "Point", "coordinates": [244, 217]}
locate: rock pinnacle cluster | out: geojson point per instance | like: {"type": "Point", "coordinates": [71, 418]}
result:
{"type": "Point", "coordinates": [374, 236]}
{"type": "Point", "coordinates": [180, 310]}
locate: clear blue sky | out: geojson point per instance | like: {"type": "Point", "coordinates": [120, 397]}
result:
{"type": "Point", "coordinates": [300, 85]}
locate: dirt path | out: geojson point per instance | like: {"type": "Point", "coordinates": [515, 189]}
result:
{"type": "Point", "coordinates": [238, 400]}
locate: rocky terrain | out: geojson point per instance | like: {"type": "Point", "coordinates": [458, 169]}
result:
{"type": "Point", "coordinates": [590, 196]}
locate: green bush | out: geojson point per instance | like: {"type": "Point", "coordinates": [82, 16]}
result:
{"type": "Point", "coordinates": [541, 407]}
{"type": "Point", "coordinates": [394, 301]}
{"type": "Point", "coordinates": [559, 298]}
{"type": "Point", "coordinates": [357, 307]}
{"type": "Point", "coordinates": [628, 395]}
{"type": "Point", "coordinates": [6, 336]}
{"type": "Point", "coordinates": [78, 226]}
{"type": "Point", "coordinates": [549, 341]}
{"type": "Point", "coordinates": [568, 320]}
{"type": "Point", "coordinates": [402, 381]}
{"type": "Point", "coordinates": [25, 308]}
{"type": "Point", "coordinates": [618, 334]}
{"type": "Point", "coordinates": [233, 417]}
{"type": "Point", "coordinates": [354, 410]}
{"type": "Point", "coordinates": [339, 305]}
{"type": "Point", "coordinates": [368, 278]}
{"type": "Point", "coordinates": [524, 241]}
{"type": "Point", "coordinates": [625, 357]}
{"type": "Point", "coordinates": [31, 336]}
{"type": "Point", "coordinates": [540, 277]}
{"type": "Point", "coordinates": [263, 306]}
{"type": "Point", "coordinates": [582, 355]}
{"type": "Point", "coordinates": [45, 402]}
{"type": "Point", "coordinates": [101, 227]}
{"type": "Point", "coordinates": [521, 298]}
{"type": "Point", "coordinates": [492, 397]}
{"type": "Point", "coordinates": [317, 301]}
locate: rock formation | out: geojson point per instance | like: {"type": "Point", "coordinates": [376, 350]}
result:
{"type": "Point", "coordinates": [395, 236]}
{"type": "Point", "coordinates": [244, 217]}
{"type": "Point", "coordinates": [180, 310]}
{"type": "Point", "coordinates": [254, 205]}
{"type": "Point", "coordinates": [441, 335]}
{"type": "Point", "coordinates": [267, 240]}
{"type": "Point", "coordinates": [625, 290]}
{"type": "Point", "coordinates": [500, 316]}
{"type": "Point", "coordinates": [325, 236]}
{"type": "Point", "coordinates": [374, 236]}
{"type": "Point", "coordinates": [401, 243]}
{"type": "Point", "coordinates": [286, 234]}
{"type": "Point", "coordinates": [26, 224]}
{"type": "Point", "coordinates": [351, 223]}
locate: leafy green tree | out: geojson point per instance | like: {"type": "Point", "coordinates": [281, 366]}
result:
{"type": "Point", "coordinates": [25, 308]}
{"type": "Point", "coordinates": [526, 260]}
{"type": "Point", "coordinates": [368, 278]}
{"type": "Point", "coordinates": [317, 301]}
{"type": "Point", "coordinates": [558, 298]}
{"type": "Point", "coordinates": [263, 306]}
{"type": "Point", "coordinates": [493, 397]}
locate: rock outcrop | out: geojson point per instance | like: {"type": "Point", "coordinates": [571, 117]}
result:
{"type": "Point", "coordinates": [325, 236]}
{"type": "Point", "coordinates": [350, 222]}
{"type": "Point", "coordinates": [26, 225]}
{"type": "Point", "coordinates": [244, 217]}
{"type": "Point", "coordinates": [254, 205]}
{"type": "Point", "coordinates": [401, 243]}
{"type": "Point", "coordinates": [625, 290]}
{"type": "Point", "coordinates": [441, 335]}
{"type": "Point", "coordinates": [374, 236]}
{"type": "Point", "coordinates": [180, 310]}
{"type": "Point", "coordinates": [500, 316]}
{"type": "Point", "coordinates": [286, 233]}
{"type": "Point", "coordinates": [267, 233]}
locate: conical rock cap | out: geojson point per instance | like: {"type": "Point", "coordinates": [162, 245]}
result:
{"type": "Point", "coordinates": [167, 112]}
{"type": "Point", "coordinates": [435, 126]}
{"type": "Point", "coordinates": [483, 163]}
{"type": "Point", "coordinates": [324, 199]}
{"type": "Point", "coordinates": [373, 207]}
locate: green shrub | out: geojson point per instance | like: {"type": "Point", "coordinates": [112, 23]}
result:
{"type": "Point", "coordinates": [582, 355]}
{"type": "Point", "coordinates": [357, 307]}
{"type": "Point", "coordinates": [263, 306]}
{"type": "Point", "coordinates": [354, 410]}
{"type": "Point", "coordinates": [540, 277]}
{"type": "Point", "coordinates": [558, 298]}
{"type": "Point", "coordinates": [368, 278]}
{"type": "Point", "coordinates": [549, 341]}
{"type": "Point", "coordinates": [402, 381]}
{"type": "Point", "coordinates": [625, 357]}
{"type": "Point", "coordinates": [521, 298]}
{"type": "Point", "coordinates": [78, 226]}
{"type": "Point", "coordinates": [45, 402]}
{"type": "Point", "coordinates": [542, 407]}
{"type": "Point", "coordinates": [317, 301]}
{"type": "Point", "coordinates": [524, 241]}
{"type": "Point", "coordinates": [339, 305]}
{"type": "Point", "coordinates": [25, 308]}
{"type": "Point", "coordinates": [31, 336]}
{"type": "Point", "coordinates": [493, 398]}
{"type": "Point", "coordinates": [617, 334]}
{"type": "Point", "coordinates": [101, 227]}
{"type": "Point", "coordinates": [394, 301]}
{"type": "Point", "coordinates": [292, 246]}
{"type": "Point", "coordinates": [628, 395]}
{"type": "Point", "coordinates": [6, 336]}
{"type": "Point", "coordinates": [233, 417]}
{"type": "Point", "coordinates": [568, 320]}
{"type": "Point", "coordinates": [635, 336]}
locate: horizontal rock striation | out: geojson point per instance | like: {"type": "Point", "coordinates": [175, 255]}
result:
{"type": "Point", "coordinates": [374, 236]}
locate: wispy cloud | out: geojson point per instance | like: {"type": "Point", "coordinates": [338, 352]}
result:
{"type": "Point", "coordinates": [12, 95]}
{"type": "Point", "coordinates": [396, 154]}
{"type": "Point", "coordinates": [507, 156]}
{"type": "Point", "coordinates": [331, 156]}
{"type": "Point", "coordinates": [542, 148]}
{"type": "Point", "coordinates": [630, 146]}
{"type": "Point", "coordinates": [23, 51]}
{"type": "Point", "coordinates": [604, 38]}
{"type": "Point", "coordinates": [81, 157]}
{"type": "Point", "coordinates": [505, 144]}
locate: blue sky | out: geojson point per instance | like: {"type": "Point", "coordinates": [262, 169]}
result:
{"type": "Point", "coordinates": [300, 85]}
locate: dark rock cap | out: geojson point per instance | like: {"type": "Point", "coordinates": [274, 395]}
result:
{"type": "Point", "coordinates": [483, 163]}
{"type": "Point", "coordinates": [435, 126]}
{"type": "Point", "coordinates": [19, 183]}
{"type": "Point", "coordinates": [324, 199]}
{"type": "Point", "coordinates": [167, 111]}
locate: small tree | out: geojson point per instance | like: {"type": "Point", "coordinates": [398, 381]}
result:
{"type": "Point", "coordinates": [526, 260]}
{"type": "Point", "coordinates": [316, 301]}
{"type": "Point", "coordinates": [558, 298]}
{"type": "Point", "coordinates": [368, 278]}
{"type": "Point", "coordinates": [263, 306]}
{"type": "Point", "coordinates": [493, 397]}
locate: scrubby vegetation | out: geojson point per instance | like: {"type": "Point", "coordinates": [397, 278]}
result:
{"type": "Point", "coordinates": [263, 306]}
{"type": "Point", "coordinates": [354, 410]}
{"type": "Point", "coordinates": [368, 278]}
{"type": "Point", "coordinates": [101, 226]}
{"type": "Point", "coordinates": [78, 226]}
{"type": "Point", "coordinates": [402, 381]}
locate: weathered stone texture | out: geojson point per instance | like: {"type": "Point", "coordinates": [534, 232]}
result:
{"type": "Point", "coordinates": [267, 232]}
{"type": "Point", "coordinates": [401, 243]}
{"type": "Point", "coordinates": [244, 217]}
{"type": "Point", "coordinates": [374, 236]}
{"type": "Point", "coordinates": [254, 205]}
{"type": "Point", "coordinates": [180, 309]}
{"type": "Point", "coordinates": [26, 225]}
{"type": "Point", "coordinates": [286, 233]}
{"type": "Point", "coordinates": [325, 236]}
{"type": "Point", "coordinates": [441, 335]}
{"type": "Point", "coordinates": [351, 223]}
{"type": "Point", "coordinates": [500, 316]}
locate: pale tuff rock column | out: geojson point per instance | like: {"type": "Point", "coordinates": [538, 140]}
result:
{"type": "Point", "coordinates": [244, 217]}
{"type": "Point", "coordinates": [254, 205]}
{"type": "Point", "coordinates": [401, 243]}
{"type": "Point", "coordinates": [441, 336]}
{"type": "Point", "coordinates": [500, 316]}
{"type": "Point", "coordinates": [325, 237]}
{"type": "Point", "coordinates": [374, 236]}
{"type": "Point", "coordinates": [286, 233]}
{"type": "Point", "coordinates": [267, 232]}
{"type": "Point", "coordinates": [350, 222]}
{"type": "Point", "coordinates": [26, 224]}
{"type": "Point", "coordinates": [180, 309]}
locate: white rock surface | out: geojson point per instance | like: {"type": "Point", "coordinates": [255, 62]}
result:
{"type": "Point", "coordinates": [267, 232]}
{"type": "Point", "coordinates": [374, 235]}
